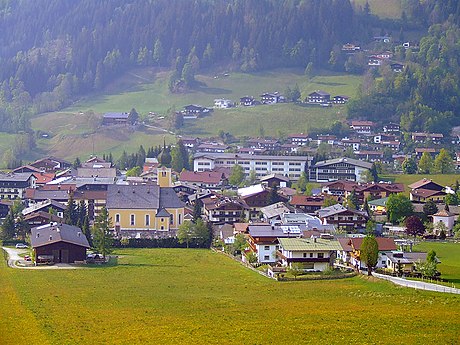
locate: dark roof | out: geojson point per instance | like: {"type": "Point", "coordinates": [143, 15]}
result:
{"type": "Point", "coordinates": [56, 232]}
{"type": "Point", "coordinates": [320, 92]}
{"type": "Point", "coordinates": [18, 177]}
{"type": "Point", "coordinates": [169, 198]}
{"type": "Point", "coordinates": [351, 161]}
{"type": "Point", "coordinates": [116, 116]}
{"type": "Point", "coordinates": [424, 182]}
{"type": "Point", "coordinates": [44, 215]}
{"type": "Point", "coordinates": [133, 197]}
{"type": "Point", "coordinates": [162, 213]}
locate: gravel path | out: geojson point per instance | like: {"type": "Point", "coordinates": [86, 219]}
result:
{"type": "Point", "coordinates": [417, 284]}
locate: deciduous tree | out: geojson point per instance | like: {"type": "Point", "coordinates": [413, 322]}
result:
{"type": "Point", "coordinates": [103, 233]}
{"type": "Point", "coordinates": [414, 226]}
{"type": "Point", "coordinates": [398, 207]}
{"type": "Point", "coordinates": [369, 252]}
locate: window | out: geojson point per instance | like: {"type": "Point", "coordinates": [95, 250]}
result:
{"type": "Point", "coordinates": [132, 219]}
{"type": "Point", "coordinates": [266, 247]}
{"type": "Point", "coordinates": [147, 220]}
{"type": "Point", "coordinates": [162, 220]}
{"type": "Point", "coordinates": [171, 219]}
{"type": "Point", "coordinates": [311, 255]}
{"type": "Point", "coordinates": [320, 255]}
{"type": "Point", "coordinates": [117, 218]}
{"type": "Point", "coordinates": [162, 227]}
{"type": "Point", "coordinates": [304, 255]}
{"type": "Point", "coordinates": [267, 257]}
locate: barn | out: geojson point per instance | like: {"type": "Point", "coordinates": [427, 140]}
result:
{"type": "Point", "coordinates": [58, 243]}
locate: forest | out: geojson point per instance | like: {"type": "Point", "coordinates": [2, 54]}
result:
{"type": "Point", "coordinates": [54, 51]}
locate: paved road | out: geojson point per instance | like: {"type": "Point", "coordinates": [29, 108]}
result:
{"type": "Point", "coordinates": [13, 255]}
{"type": "Point", "coordinates": [13, 258]}
{"type": "Point", "coordinates": [417, 284]}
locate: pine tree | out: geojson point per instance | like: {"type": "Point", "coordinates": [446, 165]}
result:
{"type": "Point", "coordinates": [70, 213]}
{"type": "Point", "coordinates": [87, 231]}
{"type": "Point", "coordinates": [102, 233]}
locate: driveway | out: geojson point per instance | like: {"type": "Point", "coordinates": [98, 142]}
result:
{"type": "Point", "coordinates": [417, 284]}
{"type": "Point", "coordinates": [14, 259]}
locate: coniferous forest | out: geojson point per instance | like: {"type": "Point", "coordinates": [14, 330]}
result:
{"type": "Point", "coordinates": [53, 51]}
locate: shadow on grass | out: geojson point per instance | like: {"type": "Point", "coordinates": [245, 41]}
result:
{"type": "Point", "coordinates": [329, 83]}
{"type": "Point", "coordinates": [212, 90]}
{"type": "Point", "coordinates": [147, 265]}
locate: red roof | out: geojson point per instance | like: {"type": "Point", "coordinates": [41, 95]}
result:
{"type": "Point", "coordinates": [385, 244]}
{"type": "Point", "coordinates": [303, 200]}
{"type": "Point", "coordinates": [211, 177]}
{"type": "Point", "coordinates": [43, 178]}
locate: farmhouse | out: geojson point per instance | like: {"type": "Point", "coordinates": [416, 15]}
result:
{"type": "Point", "coordinates": [351, 250]}
{"type": "Point", "coordinates": [247, 101]}
{"type": "Point", "coordinates": [340, 99]}
{"type": "Point", "coordinates": [424, 190]}
{"type": "Point", "coordinates": [343, 217]}
{"type": "Point", "coordinates": [220, 209]}
{"type": "Point", "coordinates": [313, 254]}
{"type": "Point", "coordinates": [51, 164]}
{"type": "Point", "coordinates": [319, 97]}
{"type": "Point", "coordinates": [300, 139]}
{"type": "Point", "coordinates": [110, 119]}
{"type": "Point", "coordinates": [59, 243]}
{"type": "Point", "coordinates": [194, 111]}
{"type": "Point", "coordinates": [223, 103]}
{"type": "Point", "coordinates": [271, 98]}
{"type": "Point", "coordinates": [362, 127]}
{"type": "Point", "coordinates": [397, 261]}
{"type": "Point", "coordinates": [13, 186]}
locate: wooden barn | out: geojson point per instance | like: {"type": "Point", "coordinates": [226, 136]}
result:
{"type": "Point", "coordinates": [58, 243]}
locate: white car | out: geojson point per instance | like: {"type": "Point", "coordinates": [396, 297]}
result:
{"type": "Point", "coordinates": [21, 246]}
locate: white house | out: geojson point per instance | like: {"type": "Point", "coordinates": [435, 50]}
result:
{"type": "Point", "coordinates": [223, 103]}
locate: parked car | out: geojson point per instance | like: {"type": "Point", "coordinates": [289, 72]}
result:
{"type": "Point", "coordinates": [27, 258]}
{"type": "Point", "coordinates": [21, 246]}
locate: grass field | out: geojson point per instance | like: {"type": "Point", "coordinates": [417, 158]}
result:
{"type": "Point", "coordinates": [197, 296]}
{"type": "Point", "coordinates": [449, 255]}
{"type": "Point", "coordinates": [74, 131]}
{"type": "Point", "coordinates": [382, 8]}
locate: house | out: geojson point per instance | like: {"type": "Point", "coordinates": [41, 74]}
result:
{"type": "Point", "coordinates": [398, 261]}
{"type": "Point", "coordinates": [370, 156]}
{"type": "Point", "coordinates": [290, 166]}
{"type": "Point", "coordinates": [219, 209]}
{"type": "Point", "coordinates": [362, 127]}
{"type": "Point", "coordinates": [340, 216]}
{"type": "Point", "coordinates": [339, 169]}
{"type": "Point", "coordinates": [350, 48]}
{"type": "Point", "coordinates": [212, 147]}
{"type": "Point", "coordinates": [326, 138]}
{"type": "Point", "coordinates": [146, 211]}
{"type": "Point", "coordinates": [190, 142]}
{"type": "Point", "coordinates": [273, 180]}
{"type": "Point", "coordinates": [262, 143]}
{"type": "Point", "coordinates": [59, 243]}
{"type": "Point", "coordinates": [111, 119]}
{"type": "Point", "coordinates": [382, 39]}
{"type": "Point", "coordinates": [397, 67]}
{"type": "Point", "coordinates": [374, 61]}
{"type": "Point", "coordinates": [13, 186]}
{"type": "Point", "coordinates": [391, 127]}
{"type": "Point", "coordinates": [312, 254]}
{"type": "Point", "coordinates": [43, 178]}
{"type": "Point", "coordinates": [339, 188]}
{"type": "Point", "coordinates": [223, 103]}
{"type": "Point", "coordinates": [435, 138]}
{"type": "Point", "coordinates": [204, 179]}
{"type": "Point", "coordinates": [225, 233]}
{"type": "Point", "coordinates": [51, 164]}
{"type": "Point", "coordinates": [50, 206]}
{"type": "Point", "coordinates": [378, 206]}
{"type": "Point", "coordinates": [247, 101]}
{"type": "Point", "coordinates": [424, 190]}
{"type": "Point", "coordinates": [353, 143]}
{"type": "Point", "coordinates": [340, 99]}
{"type": "Point", "coordinates": [193, 111]}
{"type": "Point", "coordinates": [308, 204]}
{"type": "Point", "coordinates": [351, 247]}
{"type": "Point", "coordinates": [420, 150]}
{"type": "Point", "coordinates": [271, 98]}
{"type": "Point", "coordinates": [256, 197]}
{"type": "Point", "coordinates": [272, 213]}
{"type": "Point", "coordinates": [445, 217]}
{"type": "Point", "coordinates": [300, 139]}
{"type": "Point", "coordinates": [41, 218]}
{"type": "Point", "coordinates": [104, 170]}
{"type": "Point", "coordinates": [318, 97]}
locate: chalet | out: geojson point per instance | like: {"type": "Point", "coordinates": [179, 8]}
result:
{"type": "Point", "coordinates": [212, 147]}
{"type": "Point", "coordinates": [269, 144]}
{"type": "Point", "coordinates": [103, 170]}
{"type": "Point", "coordinates": [397, 67]}
{"type": "Point", "coordinates": [256, 197]}
{"type": "Point", "coordinates": [111, 119]}
{"type": "Point", "coordinates": [26, 169]}
{"type": "Point", "coordinates": [353, 143]}
{"type": "Point", "coordinates": [319, 97]}
{"type": "Point", "coordinates": [391, 128]}
{"type": "Point", "coordinates": [362, 127]}
{"type": "Point", "coordinates": [192, 111]}
{"type": "Point", "coordinates": [379, 138]}
{"type": "Point", "coordinates": [43, 178]}
{"type": "Point", "coordinates": [41, 218]}
{"type": "Point", "coordinates": [339, 188]}
{"type": "Point", "coordinates": [146, 211]}
{"type": "Point", "coordinates": [377, 190]}
{"type": "Point", "coordinates": [271, 98]}
{"type": "Point", "coordinates": [288, 149]}
{"type": "Point", "coordinates": [204, 179]}
{"type": "Point", "coordinates": [59, 243]}
{"type": "Point", "coordinates": [382, 39]}
{"type": "Point", "coordinates": [398, 261]}
{"type": "Point", "coordinates": [51, 164]}
{"type": "Point", "coordinates": [435, 138]}
{"type": "Point", "coordinates": [351, 247]}
{"type": "Point", "coordinates": [53, 206]}
{"type": "Point", "coordinates": [350, 48]}
{"type": "Point", "coordinates": [273, 180]}
{"type": "Point", "coordinates": [272, 213]}
{"type": "Point", "coordinates": [189, 142]}
{"type": "Point", "coordinates": [326, 138]}
{"type": "Point", "coordinates": [299, 139]}
{"type": "Point", "coordinates": [220, 209]}
{"type": "Point", "coordinates": [419, 151]}
{"type": "Point", "coordinates": [340, 216]}
{"type": "Point", "coordinates": [308, 204]}
{"type": "Point", "coordinates": [340, 99]}
{"type": "Point", "coordinates": [312, 254]}
{"type": "Point", "coordinates": [370, 156]}
{"type": "Point", "coordinates": [393, 145]}
{"type": "Point", "coordinates": [424, 190]}
{"type": "Point", "coordinates": [223, 103]}
{"type": "Point", "coordinates": [247, 101]}
{"type": "Point", "coordinates": [252, 150]}
{"type": "Point", "coordinates": [374, 61]}
{"type": "Point", "coordinates": [13, 186]}
{"type": "Point", "coordinates": [339, 169]}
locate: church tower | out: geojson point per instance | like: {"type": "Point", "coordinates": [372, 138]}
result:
{"type": "Point", "coordinates": [164, 178]}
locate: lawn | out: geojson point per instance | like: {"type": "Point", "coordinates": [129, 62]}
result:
{"type": "Point", "coordinates": [449, 255]}
{"type": "Point", "coordinates": [383, 8]}
{"type": "Point", "coordinates": [197, 296]}
{"type": "Point", "coordinates": [74, 131]}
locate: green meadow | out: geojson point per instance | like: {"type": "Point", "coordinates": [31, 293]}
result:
{"type": "Point", "coordinates": [74, 131]}
{"type": "Point", "coordinates": [180, 296]}
{"type": "Point", "coordinates": [406, 180]}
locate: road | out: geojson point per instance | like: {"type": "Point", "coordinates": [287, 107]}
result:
{"type": "Point", "coordinates": [417, 284]}
{"type": "Point", "coordinates": [13, 258]}
{"type": "Point", "coordinates": [13, 255]}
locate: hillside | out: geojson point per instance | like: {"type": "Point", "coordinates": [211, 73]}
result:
{"type": "Point", "coordinates": [73, 131]}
